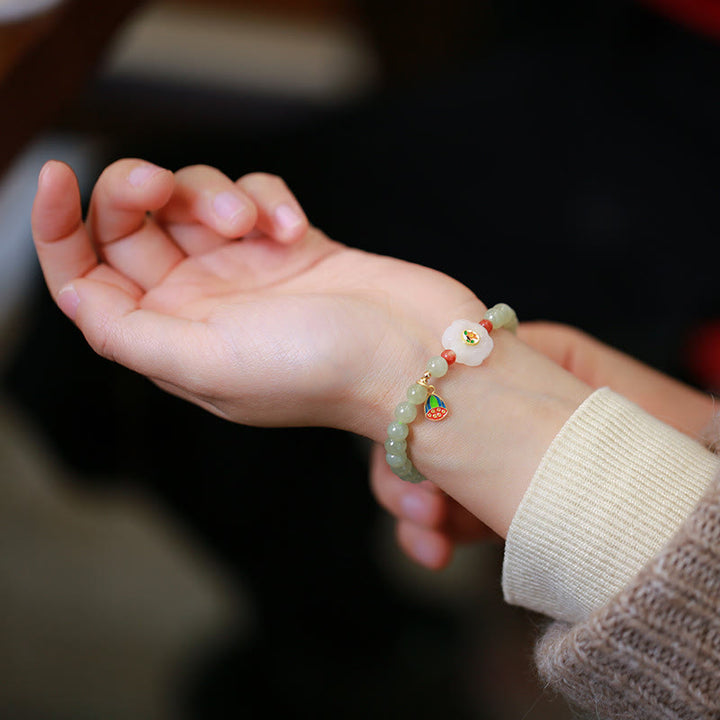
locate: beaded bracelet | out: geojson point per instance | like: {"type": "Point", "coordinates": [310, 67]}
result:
{"type": "Point", "coordinates": [465, 342]}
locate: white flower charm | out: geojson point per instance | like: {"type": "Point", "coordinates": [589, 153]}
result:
{"type": "Point", "coordinates": [470, 342]}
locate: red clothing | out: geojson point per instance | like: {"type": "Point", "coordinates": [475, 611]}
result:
{"type": "Point", "coordinates": [702, 15]}
{"type": "Point", "coordinates": [702, 355]}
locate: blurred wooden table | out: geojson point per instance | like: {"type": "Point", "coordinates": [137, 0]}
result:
{"type": "Point", "coordinates": [45, 62]}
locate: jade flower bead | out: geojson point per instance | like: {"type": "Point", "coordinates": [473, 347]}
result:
{"type": "Point", "coordinates": [469, 340]}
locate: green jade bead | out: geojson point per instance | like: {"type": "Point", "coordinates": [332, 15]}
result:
{"type": "Point", "coordinates": [437, 366]}
{"type": "Point", "coordinates": [414, 476]}
{"type": "Point", "coordinates": [406, 412]}
{"type": "Point", "coordinates": [396, 447]}
{"type": "Point", "coordinates": [396, 461]}
{"type": "Point", "coordinates": [404, 468]}
{"type": "Point", "coordinates": [417, 394]}
{"type": "Point", "coordinates": [502, 315]}
{"type": "Point", "coordinates": [397, 430]}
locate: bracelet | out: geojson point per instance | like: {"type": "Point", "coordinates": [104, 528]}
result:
{"type": "Point", "coordinates": [465, 342]}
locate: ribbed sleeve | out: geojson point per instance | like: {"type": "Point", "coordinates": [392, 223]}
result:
{"type": "Point", "coordinates": [613, 488]}
{"type": "Point", "coordinates": [652, 652]}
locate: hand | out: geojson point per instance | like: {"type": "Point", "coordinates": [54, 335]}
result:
{"type": "Point", "coordinates": [430, 523]}
{"type": "Point", "coordinates": [196, 282]}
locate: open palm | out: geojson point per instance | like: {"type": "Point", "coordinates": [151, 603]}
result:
{"type": "Point", "coordinates": [277, 328]}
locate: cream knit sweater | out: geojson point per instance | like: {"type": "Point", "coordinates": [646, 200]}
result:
{"type": "Point", "coordinates": [618, 540]}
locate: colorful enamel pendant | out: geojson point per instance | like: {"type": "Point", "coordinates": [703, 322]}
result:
{"type": "Point", "coordinates": [435, 408]}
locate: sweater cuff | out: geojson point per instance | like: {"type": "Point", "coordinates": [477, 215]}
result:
{"type": "Point", "coordinates": [612, 489]}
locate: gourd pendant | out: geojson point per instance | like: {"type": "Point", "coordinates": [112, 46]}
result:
{"type": "Point", "coordinates": [435, 408]}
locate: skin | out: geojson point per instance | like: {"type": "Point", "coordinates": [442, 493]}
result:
{"type": "Point", "coordinates": [223, 294]}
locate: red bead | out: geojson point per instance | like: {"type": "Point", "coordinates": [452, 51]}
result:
{"type": "Point", "coordinates": [449, 356]}
{"type": "Point", "coordinates": [486, 324]}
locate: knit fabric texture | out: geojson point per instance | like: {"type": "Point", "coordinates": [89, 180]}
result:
{"type": "Point", "coordinates": [611, 491]}
{"type": "Point", "coordinates": [653, 651]}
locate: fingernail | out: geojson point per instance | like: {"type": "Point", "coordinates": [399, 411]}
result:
{"type": "Point", "coordinates": [141, 174]}
{"type": "Point", "coordinates": [68, 301]}
{"type": "Point", "coordinates": [44, 172]}
{"type": "Point", "coordinates": [413, 507]}
{"type": "Point", "coordinates": [227, 205]}
{"type": "Point", "coordinates": [287, 217]}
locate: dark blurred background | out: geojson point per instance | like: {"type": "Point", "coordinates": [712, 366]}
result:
{"type": "Point", "coordinates": [156, 562]}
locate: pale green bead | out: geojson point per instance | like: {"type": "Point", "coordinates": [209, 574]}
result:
{"type": "Point", "coordinates": [414, 476]}
{"type": "Point", "coordinates": [397, 430]}
{"type": "Point", "coordinates": [512, 326]}
{"type": "Point", "coordinates": [511, 323]}
{"type": "Point", "coordinates": [405, 470]}
{"type": "Point", "coordinates": [395, 461]}
{"type": "Point", "coordinates": [406, 412]}
{"type": "Point", "coordinates": [397, 447]}
{"type": "Point", "coordinates": [502, 315]}
{"type": "Point", "coordinates": [417, 394]}
{"type": "Point", "coordinates": [437, 366]}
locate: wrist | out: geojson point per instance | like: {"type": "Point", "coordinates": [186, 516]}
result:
{"type": "Point", "coordinates": [503, 417]}
{"type": "Point", "coordinates": [397, 362]}
{"type": "Point", "coordinates": [506, 414]}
